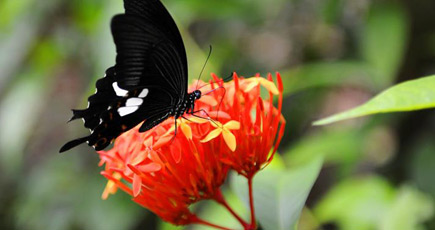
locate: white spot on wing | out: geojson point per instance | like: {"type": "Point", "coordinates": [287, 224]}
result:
{"type": "Point", "coordinates": [119, 92]}
{"type": "Point", "coordinates": [144, 93]}
{"type": "Point", "coordinates": [134, 101]}
{"type": "Point", "coordinates": [123, 111]}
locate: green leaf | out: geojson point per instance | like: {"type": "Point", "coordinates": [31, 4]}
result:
{"type": "Point", "coordinates": [407, 96]}
{"type": "Point", "coordinates": [87, 14]}
{"type": "Point", "coordinates": [356, 204]}
{"type": "Point", "coordinates": [17, 124]}
{"type": "Point", "coordinates": [11, 10]}
{"type": "Point", "coordinates": [330, 10]}
{"type": "Point", "coordinates": [280, 195]}
{"type": "Point", "coordinates": [384, 39]}
{"type": "Point", "coordinates": [408, 211]}
{"type": "Point", "coordinates": [60, 194]}
{"type": "Point", "coordinates": [373, 203]}
{"type": "Point", "coordinates": [328, 74]}
{"type": "Point", "coordinates": [421, 166]}
{"type": "Point", "coordinates": [239, 184]}
{"type": "Point", "coordinates": [337, 146]}
{"type": "Point", "coordinates": [168, 226]}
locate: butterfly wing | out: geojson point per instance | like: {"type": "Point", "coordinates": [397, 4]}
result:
{"type": "Point", "coordinates": [148, 80]}
{"type": "Point", "coordinates": [147, 56]}
{"type": "Point", "coordinates": [161, 31]}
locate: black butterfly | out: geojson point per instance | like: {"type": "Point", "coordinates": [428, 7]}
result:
{"type": "Point", "coordinates": [148, 82]}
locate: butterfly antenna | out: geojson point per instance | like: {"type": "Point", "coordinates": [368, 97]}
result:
{"type": "Point", "coordinates": [222, 80]}
{"type": "Point", "coordinates": [203, 67]}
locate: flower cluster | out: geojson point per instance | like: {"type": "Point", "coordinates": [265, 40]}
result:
{"type": "Point", "coordinates": [166, 169]}
{"type": "Point", "coordinates": [261, 124]}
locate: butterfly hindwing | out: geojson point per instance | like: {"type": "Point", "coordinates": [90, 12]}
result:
{"type": "Point", "coordinates": [107, 119]}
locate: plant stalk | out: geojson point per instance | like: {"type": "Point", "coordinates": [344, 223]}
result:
{"type": "Point", "coordinates": [219, 198]}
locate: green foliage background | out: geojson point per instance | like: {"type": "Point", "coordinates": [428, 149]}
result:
{"type": "Point", "coordinates": [333, 55]}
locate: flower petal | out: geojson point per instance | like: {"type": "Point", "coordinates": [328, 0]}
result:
{"type": "Point", "coordinates": [220, 114]}
{"type": "Point", "coordinates": [137, 185]}
{"type": "Point", "coordinates": [216, 124]}
{"type": "Point", "coordinates": [170, 131]}
{"type": "Point", "coordinates": [148, 168]}
{"type": "Point", "coordinates": [118, 183]}
{"type": "Point", "coordinates": [233, 125]}
{"type": "Point", "coordinates": [209, 100]}
{"type": "Point", "coordinates": [251, 85]}
{"type": "Point", "coordinates": [162, 141]}
{"type": "Point", "coordinates": [148, 141]}
{"type": "Point", "coordinates": [198, 120]}
{"type": "Point", "coordinates": [175, 150]}
{"type": "Point", "coordinates": [212, 135]}
{"type": "Point", "coordinates": [269, 85]}
{"type": "Point", "coordinates": [186, 130]}
{"type": "Point", "coordinates": [230, 139]}
{"type": "Point", "coordinates": [140, 156]}
{"type": "Point", "coordinates": [110, 189]}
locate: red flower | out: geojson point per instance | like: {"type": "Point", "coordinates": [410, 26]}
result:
{"type": "Point", "coordinates": [261, 123]}
{"type": "Point", "coordinates": [166, 174]}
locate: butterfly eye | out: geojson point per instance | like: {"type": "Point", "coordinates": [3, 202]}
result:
{"type": "Point", "coordinates": [197, 94]}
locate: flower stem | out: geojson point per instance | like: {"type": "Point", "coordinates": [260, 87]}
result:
{"type": "Point", "coordinates": [253, 224]}
{"type": "Point", "coordinates": [219, 198]}
{"type": "Point", "coordinates": [197, 220]}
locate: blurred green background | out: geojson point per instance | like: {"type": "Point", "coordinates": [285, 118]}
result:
{"type": "Point", "coordinates": [333, 55]}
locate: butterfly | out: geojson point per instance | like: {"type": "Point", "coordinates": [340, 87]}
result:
{"type": "Point", "coordinates": [148, 82]}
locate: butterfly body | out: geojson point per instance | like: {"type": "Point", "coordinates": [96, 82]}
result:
{"type": "Point", "coordinates": [147, 84]}
{"type": "Point", "coordinates": [187, 105]}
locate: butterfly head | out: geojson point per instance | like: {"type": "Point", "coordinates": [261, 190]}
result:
{"type": "Point", "coordinates": [197, 94]}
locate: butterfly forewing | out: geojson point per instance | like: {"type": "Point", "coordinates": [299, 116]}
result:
{"type": "Point", "coordinates": [155, 13]}
{"type": "Point", "coordinates": [147, 57]}
{"type": "Point", "coordinates": [148, 80]}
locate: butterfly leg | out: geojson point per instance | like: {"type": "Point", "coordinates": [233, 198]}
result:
{"type": "Point", "coordinates": [176, 128]}
{"type": "Point", "coordinates": [200, 110]}
{"type": "Point", "coordinates": [175, 131]}
{"type": "Point", "coordinates": [222, 98]}
{"type": "Point", "coordinates": [186, 118]}
{"type": "Point", "coordinates": [220, 103]}
{"type": "Point", "coordinates": [206, 118]}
